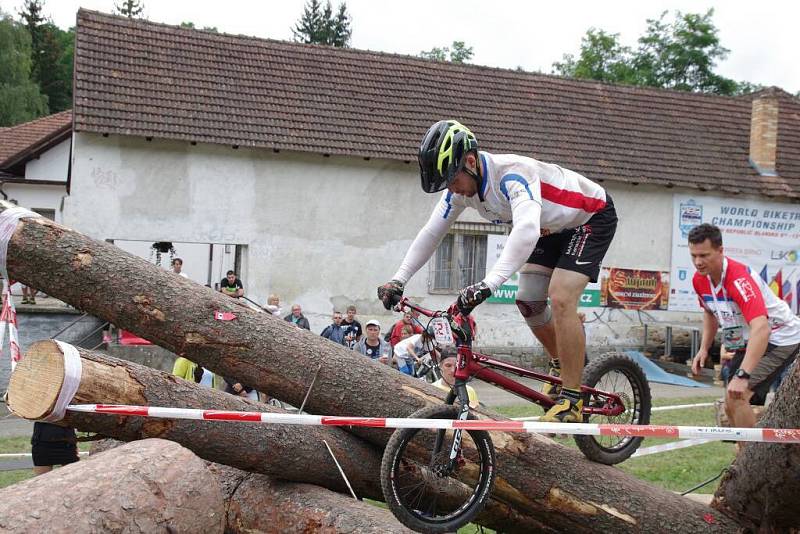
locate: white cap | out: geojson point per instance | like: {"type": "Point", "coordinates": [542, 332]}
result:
{"type": "Point", "coordinates": [373, 322]}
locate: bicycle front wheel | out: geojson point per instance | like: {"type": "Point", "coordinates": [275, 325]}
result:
{"type": "Point", "coordinates": [616, 373]}
{"type": "Point", "coordinates": [423, 488]}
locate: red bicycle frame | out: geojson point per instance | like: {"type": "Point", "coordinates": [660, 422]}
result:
{"type": "Point", "coordinates": [471, 364]}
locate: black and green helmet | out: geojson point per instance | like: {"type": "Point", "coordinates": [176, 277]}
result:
{"type": "Point", "coordinates": [441, 153]}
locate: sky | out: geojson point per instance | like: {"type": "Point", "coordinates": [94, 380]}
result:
{"type": "Point", "coordinates": [762, 36]}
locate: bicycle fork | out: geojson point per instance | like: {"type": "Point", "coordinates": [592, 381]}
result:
{"type": "Point", "coordinates": [455, 449]}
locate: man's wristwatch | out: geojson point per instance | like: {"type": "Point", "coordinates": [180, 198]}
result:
{"type": "Point", "coordinates": [741, 373]}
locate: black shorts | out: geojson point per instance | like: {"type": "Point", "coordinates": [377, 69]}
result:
{"type": "Point", "coordinates": [580, 249]}
{"type": "Point", "coordinates": [55, 453]}
{"type": "Point", "coordinates": [772, 364]}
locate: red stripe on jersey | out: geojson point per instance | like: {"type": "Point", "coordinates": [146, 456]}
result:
{"type": "Point", "coordinates": [571, 199]}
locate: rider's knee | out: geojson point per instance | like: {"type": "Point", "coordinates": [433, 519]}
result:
{"type": "Point", "coordinates": [532, 300]}
{"type": "Point", "coordinates": [563, 304]}
{"type": "Point", "coordinates": [535, 313]}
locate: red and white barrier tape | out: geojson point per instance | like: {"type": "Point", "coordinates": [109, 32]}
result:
{"type": "Point", "coordinates": [9, 219]}
{"type": "Point", "coordinates": [776, 435]}
{"type": "Point", "coordinates": [666, 447]}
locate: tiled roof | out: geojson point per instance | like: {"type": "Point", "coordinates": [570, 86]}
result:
{"type": "Point", "coordinates": [134, 77]}
{"type": "Point", "coordinates": [22, 138]}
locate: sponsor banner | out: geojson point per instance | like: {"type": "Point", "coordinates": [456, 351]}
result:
{"type": "Point", "coordinates": [507, 293]}
{"type": "Point", "coordinates": [763, 235]}
{"type": "Point", "coordinates": [634, 289]}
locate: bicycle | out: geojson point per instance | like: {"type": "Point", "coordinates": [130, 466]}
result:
{"type": "Point", "coordinates": [439, 480]}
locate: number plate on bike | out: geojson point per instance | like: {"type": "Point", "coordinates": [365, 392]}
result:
{"type": "Point", "coordinates": [441, 331]}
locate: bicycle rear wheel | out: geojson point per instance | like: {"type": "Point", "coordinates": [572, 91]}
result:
{"type": "Point", "coordinates": [420, 490]}
{"type": "Point", "coordinates": [616, 373]}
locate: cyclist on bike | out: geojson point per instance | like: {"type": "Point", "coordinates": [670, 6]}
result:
{"type": "Point", "coordinates": [561, 227]}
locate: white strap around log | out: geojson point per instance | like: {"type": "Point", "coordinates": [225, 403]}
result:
{"type": "Point", "coordinates": [72, 380]}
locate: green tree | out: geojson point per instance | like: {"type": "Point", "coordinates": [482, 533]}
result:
{"type": "Point", "coordinates": [129, 8]}
{"type": "Point", "coordinates": [20, 99]}
{"type": "Point", "coordinates": [602, 57]}
{"type": "Point", "coordinates": [319, 25]}
{"type": "Point", "coordinates": [458, 52]}
{"type": "Point", "coordinates": [682, 54]}
{"type": "Point", "coordinates": [677, 54]}
{"type": "Point", "coordinates": [31, 14]}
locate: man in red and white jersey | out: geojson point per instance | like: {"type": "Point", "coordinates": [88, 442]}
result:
{"type": "Point", "coordinates": [561, 224]}
{"type": "Point", "coordinates": [758, 326]}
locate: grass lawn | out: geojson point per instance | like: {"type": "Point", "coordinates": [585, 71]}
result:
{"type": "Point", "coordinates": [21, 444]}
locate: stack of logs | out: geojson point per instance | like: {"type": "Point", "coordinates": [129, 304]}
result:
{"type": "Point", "coordinates": [283, 477]}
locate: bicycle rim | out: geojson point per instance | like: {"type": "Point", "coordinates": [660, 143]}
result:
{"type": "Point", "coordinates": [432, 499]}
{"type": "Point", "coordinates": [621, 382]}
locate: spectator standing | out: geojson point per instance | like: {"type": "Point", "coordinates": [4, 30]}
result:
{"type": "Point", "coordinates": [177, 267]}
{"type": "Point", "coordinates": [52, 445]}
{"type": "Point", "coordinates": [28, 295]}
{"type": "Point", "coordinates": [334, 331]}
{"type": "Point", "coordinates": [297, 318]}
{"type": "Point", "coordinates": [373, 345]}
{"type": "Point", "coordinates": [399, 326]}
{"type": "Point", "coordinates": [231, 285]}
{"type": "Point", "coordinates": [352, 328]}
{"type": "Point", "coordinates": [273, 305]}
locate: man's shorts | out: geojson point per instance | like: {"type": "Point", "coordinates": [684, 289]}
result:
{"type": "Point", "coordinates": [775, 360]}
{"type": "Point", "coordinates": [580, 249]}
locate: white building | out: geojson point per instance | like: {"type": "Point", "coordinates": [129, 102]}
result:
{"type": "Point", "coordinates": [298, 161]}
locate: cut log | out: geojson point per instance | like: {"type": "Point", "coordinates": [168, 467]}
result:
{"type": "Point", "coordinates": [760, 489]}
{"type": "Point", "coordinates": [260, 503]}
{"type": "Point", "coordinates": [537, 478]}
{"type": "Point", "coordinates": [280, 450]}
{"type": "Point", "coordinates": [148, 486]}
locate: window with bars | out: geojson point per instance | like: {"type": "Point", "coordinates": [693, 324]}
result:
{"type": "Point", "coordinates": [459, 261]}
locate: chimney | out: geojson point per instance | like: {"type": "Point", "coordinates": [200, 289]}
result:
{"type": "Point", "coordinates": [764, 134]}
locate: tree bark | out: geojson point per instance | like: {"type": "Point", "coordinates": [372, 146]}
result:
{"type": "Point", "coordinates": [149, 486]}
{"type": "Point", "coordinates": [760, 489]}
{"type": "Point", "coordinates": [260, 503]}
{"type": "Point", "coordinates": [537, 478]}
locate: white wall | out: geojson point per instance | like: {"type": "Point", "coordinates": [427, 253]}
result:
{"type": "Point", "coordinates": [34, 196]}
{"type": "Point", "coordinates": [322, 232]}
{"type": "Point", "coordinates": [51, 165]}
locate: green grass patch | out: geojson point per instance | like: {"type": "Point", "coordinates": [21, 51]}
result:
{"type": "Point", "coordinates": [8, 478]}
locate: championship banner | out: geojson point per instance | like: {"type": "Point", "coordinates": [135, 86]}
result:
{"type": "Point", "coordinates": [507, 293]}
{"type": "Point", "coordinates": [763, 235]}
{"type": "Point", "coordinates": [634, 289]}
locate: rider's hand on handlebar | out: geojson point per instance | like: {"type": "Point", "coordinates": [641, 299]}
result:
{"type": "Point", "coordinates": [390, 293]}
{"type": "Point", "coordinates": [471, 296]}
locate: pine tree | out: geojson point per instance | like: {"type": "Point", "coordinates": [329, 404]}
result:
{"type": "Point", "coordinates": [129, 8]}
{"type": "Point", "coordinates": [318, 25]}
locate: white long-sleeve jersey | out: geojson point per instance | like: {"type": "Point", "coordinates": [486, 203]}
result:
{"type": "Point", "coordinates": [532, 197]}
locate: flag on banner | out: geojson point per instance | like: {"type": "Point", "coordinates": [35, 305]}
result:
{"type": "Point", "coordinates": [787, 293]}
{"type": "Point", "coordinates": [777, 284]}
{"type": "Point", "coordinates": [763, 274]}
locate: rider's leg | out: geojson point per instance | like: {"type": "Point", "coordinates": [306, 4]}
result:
{"type": "Point", "coordinates": [566, 288]}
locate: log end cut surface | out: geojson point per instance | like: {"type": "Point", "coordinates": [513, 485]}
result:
{"type": "Point", "coordinates": [36, 381]}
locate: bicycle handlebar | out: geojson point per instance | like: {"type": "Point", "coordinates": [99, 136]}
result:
{"type": "Point", "coordinates": [462, 329]}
